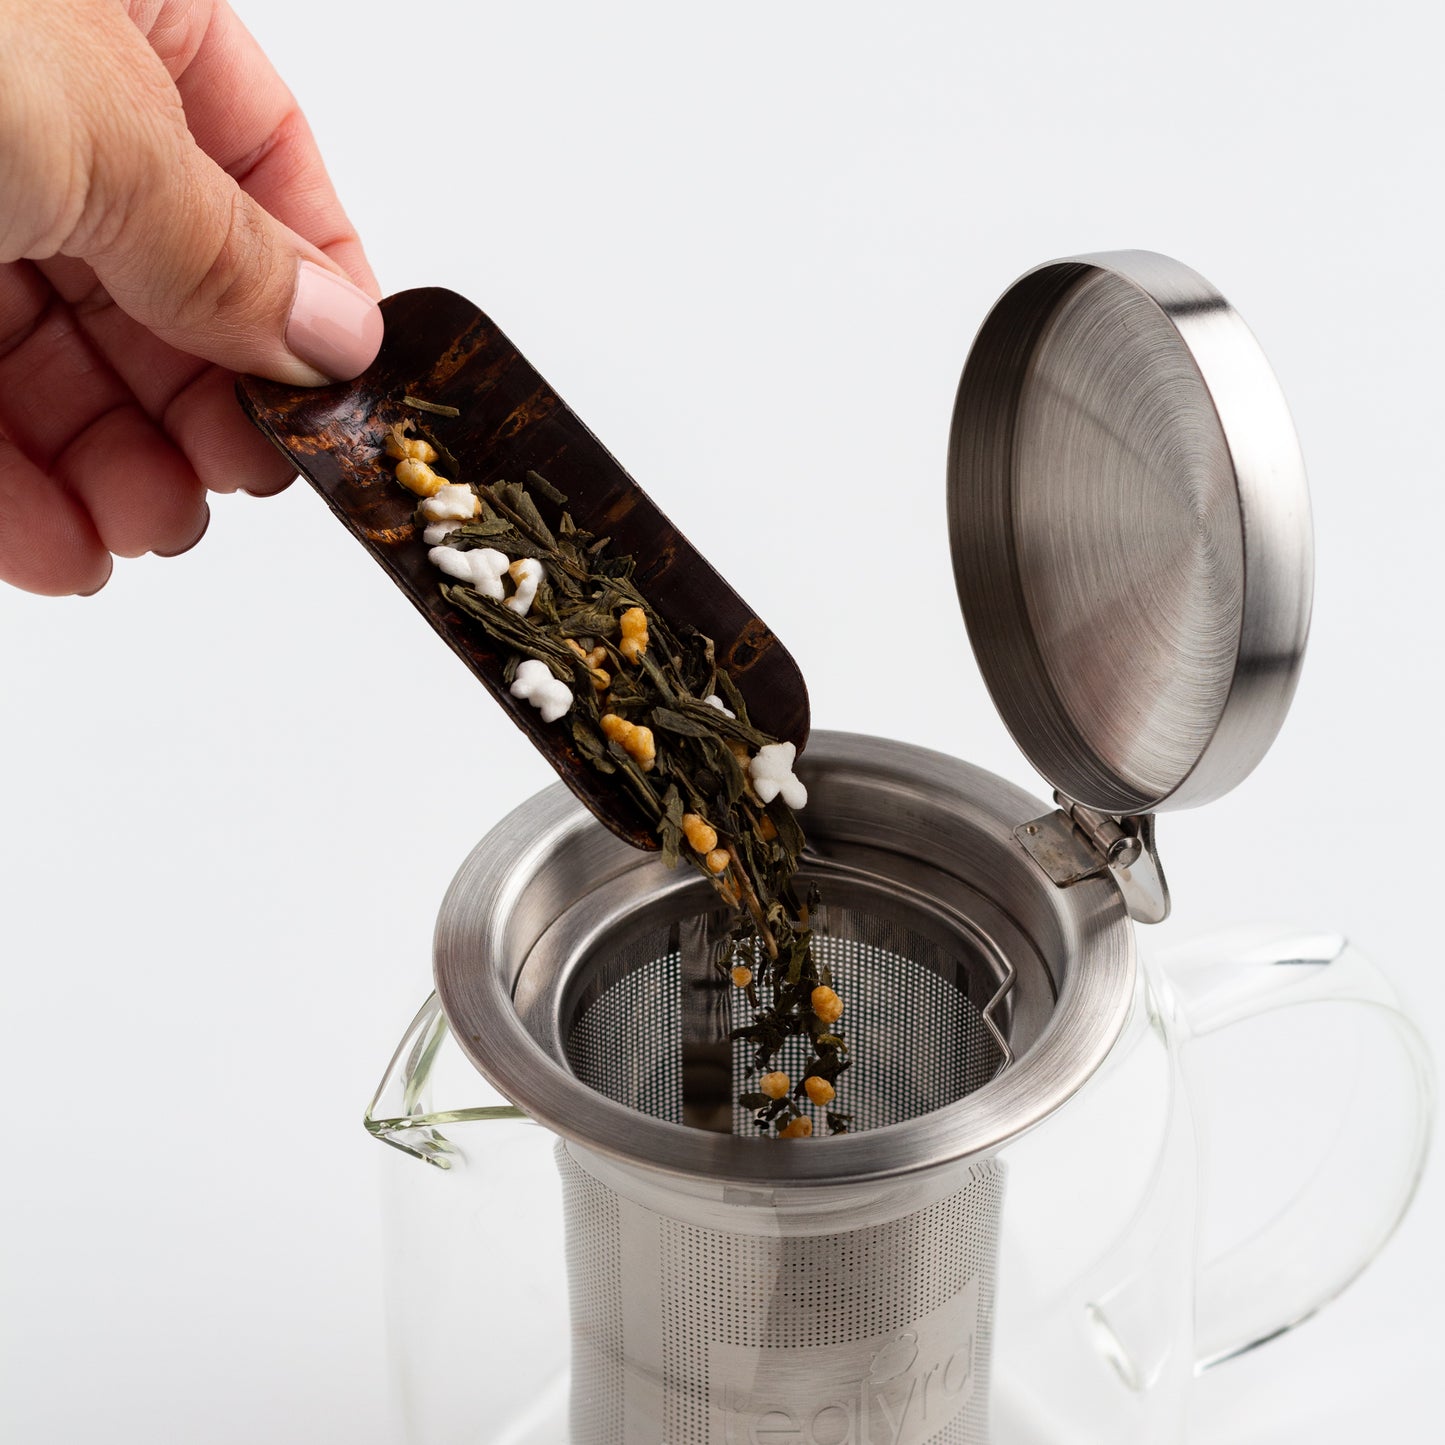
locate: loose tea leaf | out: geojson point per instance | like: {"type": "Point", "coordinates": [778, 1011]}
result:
{"type": "Point", "coordinates": [669, 827]}
{"type": "Point", "coordinates": [548, 492]}
{"type": "Point", "coordinates": [435, 407]}
{"type": "Point", "coordinates": [675, 722]}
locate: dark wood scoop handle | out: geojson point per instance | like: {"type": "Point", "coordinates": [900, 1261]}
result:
{"type": "Point", "coordinates": [440, 347]}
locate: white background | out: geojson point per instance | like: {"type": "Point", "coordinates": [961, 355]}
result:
{"type": "Point", "coordinates": [750, 244]}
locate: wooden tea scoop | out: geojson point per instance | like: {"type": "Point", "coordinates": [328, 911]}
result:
{"type": "Point", "coordinates": [442, 349]}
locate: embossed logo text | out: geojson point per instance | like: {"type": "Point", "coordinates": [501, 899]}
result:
{"type": "Point", "coordinates": [901, 1388]}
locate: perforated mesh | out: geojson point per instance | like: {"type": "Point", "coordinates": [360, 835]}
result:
{"type": "Point", "coordinates": [917, 1040]}
{"type": "Point", "coordinates": [918, 1289]}
{"type": "Point", "coordinates": [857, 1335]}
{"type": "Point", "coordinates": [594, 1282]}
{"type": "Point", "coordinates": [628, 1044]}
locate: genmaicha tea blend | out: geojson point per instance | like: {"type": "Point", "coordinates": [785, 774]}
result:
{"type": "Point", "coordinates": [651, 707]}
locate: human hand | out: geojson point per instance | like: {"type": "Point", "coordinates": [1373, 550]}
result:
{"type": "Point", "coordinates": [165, 222]}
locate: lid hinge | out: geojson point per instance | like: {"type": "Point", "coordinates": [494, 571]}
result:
{"type": "Point", "coordinates": [1077, 842]}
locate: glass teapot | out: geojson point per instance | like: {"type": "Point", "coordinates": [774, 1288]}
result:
{"type": "Point", "coordinates": [1019, 1239]}
{"type": "Point", "coordinates": [1013, 1262]}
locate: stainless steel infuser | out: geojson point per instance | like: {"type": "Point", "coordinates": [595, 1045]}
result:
{"type": "Point", "coordinates": [729, 1268]}
{"type": "Point", "coordinates": [1131, 540]}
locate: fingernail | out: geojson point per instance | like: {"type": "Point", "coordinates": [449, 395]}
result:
{"type": "Point", "coordinates": [195, 541]}
{"type": "Point", "coordinates": [333, 326]}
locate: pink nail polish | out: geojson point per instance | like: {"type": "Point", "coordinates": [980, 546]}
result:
{"type": "Point", "coordinates": [333, 326]}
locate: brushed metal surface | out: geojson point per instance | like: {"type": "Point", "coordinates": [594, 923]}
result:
{"type": "Point", "coordinates": [867, 1318]}
{"type": "Point", "coordinates": [542, 893]}
{"type": "Point", "coordinates": [1130, 528]}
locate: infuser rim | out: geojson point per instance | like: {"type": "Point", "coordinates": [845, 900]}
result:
{"type": "Point", "coordinates": [492, 882]}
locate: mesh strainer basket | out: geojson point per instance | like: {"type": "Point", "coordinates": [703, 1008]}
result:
{"type": "Point", "coordinates": [651, 1028]}
{"type": "Point", "coordinates": [735, 1308]}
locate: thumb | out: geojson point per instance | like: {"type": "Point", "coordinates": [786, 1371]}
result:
{"type": "Point", "coordinates": [187, 253]}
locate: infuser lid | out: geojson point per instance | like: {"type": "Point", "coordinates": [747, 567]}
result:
{"type": "Point", "coordinates": [1130, 529]}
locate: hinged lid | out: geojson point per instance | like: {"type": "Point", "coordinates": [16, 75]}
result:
{"type": "Point", "coordinates": [1130, 530]}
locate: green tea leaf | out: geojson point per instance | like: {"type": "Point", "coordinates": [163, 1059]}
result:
{"type": "Point", "coordinates": [675, 722]}
{"type": "Point", "coordinates": [586, 620]}
{"type": "Point", "coordinates": [669, 827]}
{"type": "Point", "coordinates": [435, 407]}
{"type": "Point", "coordinates": [546, 490]}
{"type": "Point", "coordinates": [592, 746]}
{"type": "Point", "coordinates": [727, 690]}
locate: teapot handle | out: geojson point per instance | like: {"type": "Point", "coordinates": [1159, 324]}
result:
{"type": "Point", "coordinates": [1314, 1000]}
{"type": "Point", "coordinates": [403, 1114]}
